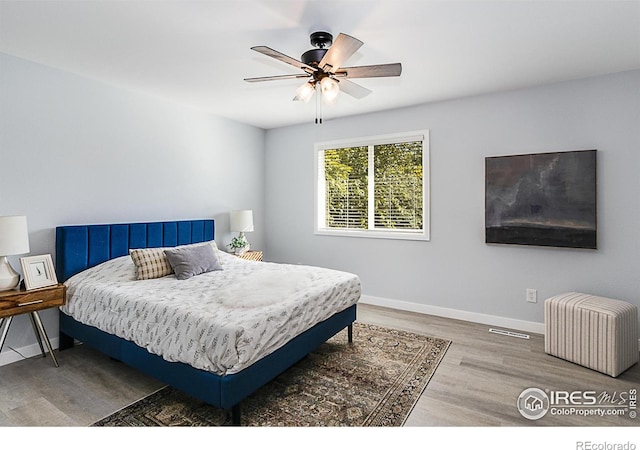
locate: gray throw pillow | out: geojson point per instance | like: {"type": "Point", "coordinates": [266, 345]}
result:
{"type": "Point", "coordinates": [192, 260]}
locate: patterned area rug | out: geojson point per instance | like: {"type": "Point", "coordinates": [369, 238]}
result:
{"type": "Point", "coordinates": [375, 381]}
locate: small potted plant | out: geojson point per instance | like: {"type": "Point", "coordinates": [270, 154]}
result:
{"type": "Point", "coordinates": [239, 245]}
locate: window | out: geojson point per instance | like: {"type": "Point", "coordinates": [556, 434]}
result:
{"type": "Point", "coordinates": [374, 187]}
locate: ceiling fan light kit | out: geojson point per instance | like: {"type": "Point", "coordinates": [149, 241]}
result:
{"type": "Point", "coordinates": [305, 92]}
{"type": "Point", "coordinates": [329, 88]}
{"type": "Point", "coordinates": [322, 67]}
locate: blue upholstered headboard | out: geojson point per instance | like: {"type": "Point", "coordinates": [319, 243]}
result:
{"type": "Point", "coordinates": [79, 247]}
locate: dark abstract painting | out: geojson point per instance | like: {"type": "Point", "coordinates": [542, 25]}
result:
{"type": "Point", "coordinates": [546, 199]}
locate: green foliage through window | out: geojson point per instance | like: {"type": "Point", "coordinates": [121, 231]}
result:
{"type": "Point", "coordinates": [396, 184]}
{"type": "Point", "coordinates": [346, 187]}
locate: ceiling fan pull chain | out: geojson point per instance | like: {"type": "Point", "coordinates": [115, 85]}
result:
{"type": "Point", "coordinates": [318, 104]}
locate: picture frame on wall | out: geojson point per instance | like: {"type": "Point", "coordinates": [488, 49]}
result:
{"type": "Point", "coordinates": [38, 271]}
{"type": "Point", "coordinates": [542, 199]}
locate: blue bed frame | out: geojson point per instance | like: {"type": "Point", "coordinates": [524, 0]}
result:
{"type": "Point", "coordinates": [79, 247]}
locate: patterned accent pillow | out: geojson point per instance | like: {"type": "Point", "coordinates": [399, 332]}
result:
{"type": "Point", "coordinates": [150, 263]}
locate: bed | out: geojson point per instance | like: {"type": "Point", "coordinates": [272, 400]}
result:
{"type": "Point", "coordinates": [86, 254]}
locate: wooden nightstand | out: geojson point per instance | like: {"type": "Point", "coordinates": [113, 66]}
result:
{"type": "Point", "coordinates": [251, 255]}
{"type": "Point", "coordinates": [16, 302]}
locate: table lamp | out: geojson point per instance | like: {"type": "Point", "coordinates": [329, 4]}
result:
{"type": "Point", "coordinates": [14, 240]}
{"type": "Point", "coordinates": [241, 221]}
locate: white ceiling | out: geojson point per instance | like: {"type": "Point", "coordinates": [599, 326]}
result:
{"type": "Point", "coordinates": [198, 52]}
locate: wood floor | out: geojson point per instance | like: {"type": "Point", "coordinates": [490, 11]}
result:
{"type": "Point", "coordinates": [476, 385]}
{"type": "Point", "coordinates": [482, 375]}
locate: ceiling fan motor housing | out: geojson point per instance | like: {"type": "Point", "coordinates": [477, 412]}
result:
{"type": "Point", "coordinates": [313, 57]}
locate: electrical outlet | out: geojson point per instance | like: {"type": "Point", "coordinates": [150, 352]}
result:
{"type": "Point", "coordinates": [532, 296]}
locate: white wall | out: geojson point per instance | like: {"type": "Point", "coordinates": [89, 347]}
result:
{"type": "Point", "coordinates": [456, 273]}
{"type": "Point", "coordinates": [74, 150]}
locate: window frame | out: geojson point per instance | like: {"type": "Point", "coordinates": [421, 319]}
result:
{"type": "Point", "coordinates": [319, 194]}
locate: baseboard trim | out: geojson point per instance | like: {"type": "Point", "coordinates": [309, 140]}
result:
{"type": "Point", "coordinates": [468, 316]}
{"type": "Point", "coordinates": [9, 355]}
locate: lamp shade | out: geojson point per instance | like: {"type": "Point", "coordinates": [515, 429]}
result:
{"type": "Point", "coordinates": [241, 220]}
{"type": "Point", "coordinates": [14, 235]}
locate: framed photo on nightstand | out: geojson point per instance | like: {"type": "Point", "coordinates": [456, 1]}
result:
{"type": "Point", "coordinates": [38, 271]}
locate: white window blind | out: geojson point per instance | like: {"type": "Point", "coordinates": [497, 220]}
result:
{"type": "Point", "coordinates": [374, 187]}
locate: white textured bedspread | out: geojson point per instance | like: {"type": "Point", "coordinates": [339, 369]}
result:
{"type": "Point", "coordinates": [221, 321]}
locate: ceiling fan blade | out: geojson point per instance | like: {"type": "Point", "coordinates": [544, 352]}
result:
{"type": "Point", "coordinates": [380, 70]}
{"type": "Point", "coordinates": [276, 77]}
{"type": "Point", "coordinates": [353, 89]}
{"type": "Point", "coordinates": [284, 58]}
{"type": "Point", "coordinates": [342, 48]}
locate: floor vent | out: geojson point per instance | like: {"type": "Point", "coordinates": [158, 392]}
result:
{"type": "Point", "coordinates": [509, 333]}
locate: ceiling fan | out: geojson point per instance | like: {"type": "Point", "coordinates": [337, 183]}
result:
{"type": "Point", "coordinates": [322, 66]}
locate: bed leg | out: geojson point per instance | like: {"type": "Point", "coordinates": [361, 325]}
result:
{"type": "Point", "coordinates": [235, 415]}
{"type": "Point", "coordinates": [64, 342]}
{"type": "Point", "coordinates": [350, 333]}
